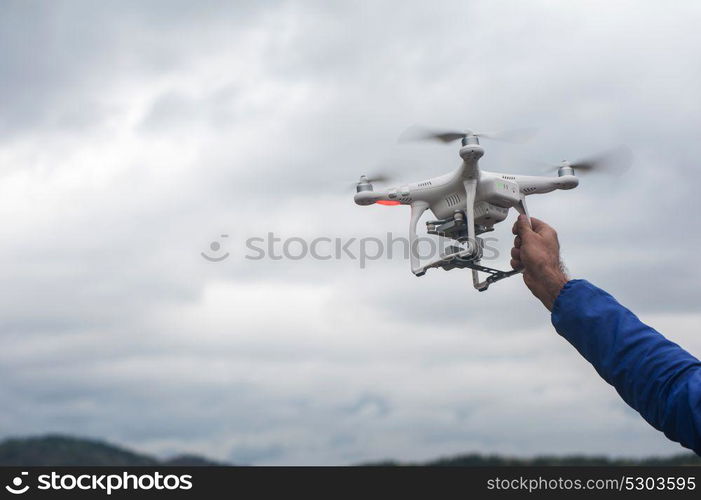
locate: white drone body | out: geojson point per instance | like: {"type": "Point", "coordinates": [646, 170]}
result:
{"type": "Point", "coordinates": [467, 202]}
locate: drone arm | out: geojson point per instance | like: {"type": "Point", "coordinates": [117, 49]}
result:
{"type": "Point", "coordinates": [533, 184]}
{"type": "Point", "coordinates": [417, 210]}
{"type": "Point", "coordinates": [370, 197]}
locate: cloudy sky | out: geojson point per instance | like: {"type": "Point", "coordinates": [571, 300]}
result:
{"type": "Point", "coordinates": [135, 134]}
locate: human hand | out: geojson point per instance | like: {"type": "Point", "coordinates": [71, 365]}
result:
{"type": "Point", "coordinates": [537, 251]}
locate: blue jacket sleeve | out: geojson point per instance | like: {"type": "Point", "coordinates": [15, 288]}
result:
{"type": "Point", "coordinates": [653, 375]}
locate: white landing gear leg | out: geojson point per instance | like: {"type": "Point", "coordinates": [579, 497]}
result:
{"type": "Point", "coordinates": [498, 275]}
{"type": "Point", "coordinates": [494, 274]}
{"type": "Point", "coordinates": [523, 209]}
{"type": "Point", "coordinates": [417, 210]}
{"type": "Point", "coordinates": [470, 190]}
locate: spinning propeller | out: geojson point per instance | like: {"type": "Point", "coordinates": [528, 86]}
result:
{"type": "Point", "coordinates": [369, 180]}
{"type": "Point", "coordinates": [418, 133]}
{"type": "Point", "coordinates": [377, 178]}
{"type": "Point", "coordinates": [614, 161]}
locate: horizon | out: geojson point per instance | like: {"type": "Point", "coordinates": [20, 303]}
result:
{"type": "Point", "coordinates": [74, 458]}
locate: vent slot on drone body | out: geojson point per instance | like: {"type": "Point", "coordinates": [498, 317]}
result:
{"type": "Point", "coordinates": [424, 184]}
{"type": "Point", "coordinates": [452, 200]}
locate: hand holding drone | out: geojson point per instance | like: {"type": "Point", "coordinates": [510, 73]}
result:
{"type": "Point", "coordinates": [536, 252]}
{"type": "Point", "coordinates": [469, 201]}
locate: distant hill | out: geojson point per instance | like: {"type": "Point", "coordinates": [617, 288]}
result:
{"type": "Point", "coordinates": [472, 460]}
{"type": "Point", "coordinates": [56, 450]}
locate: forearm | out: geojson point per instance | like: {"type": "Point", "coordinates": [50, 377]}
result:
{"type": "Point", "coordinates": [652, 374]}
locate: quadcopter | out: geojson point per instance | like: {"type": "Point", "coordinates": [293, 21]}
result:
{"type": "Point", "coordinates": [469, 201]}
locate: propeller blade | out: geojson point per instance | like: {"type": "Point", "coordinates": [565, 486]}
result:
{"type": "Point", "coordinates": [515, 136]}
{"type": "Point", "coordinates": [379, 177]}
{"type": "Point", "coordinates": [419, 133]}
{"type": "Point", "coordinates": [615, 161]}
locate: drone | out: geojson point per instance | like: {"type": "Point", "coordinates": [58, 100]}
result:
{"type": "Point", "coordinates": [469, 201]}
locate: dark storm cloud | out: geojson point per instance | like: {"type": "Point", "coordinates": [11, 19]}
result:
{"type": "Point", "coordinates": [60, 60]}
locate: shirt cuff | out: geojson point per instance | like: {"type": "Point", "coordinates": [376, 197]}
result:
{"type": "Point", "coordinates": [559, 304]}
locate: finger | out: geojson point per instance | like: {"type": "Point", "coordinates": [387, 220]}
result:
{"type": "Point", "coordinates": [517, 241]}
{"type": "Point", "coordinates": [516, 253]}
{"type": "Point", "coordinates": [516, 264]}
{"type": "Point", "coordinates": [522, 227]}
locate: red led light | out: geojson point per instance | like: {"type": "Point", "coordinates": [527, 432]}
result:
{"type": "Point", "coordinates": [387, 202]}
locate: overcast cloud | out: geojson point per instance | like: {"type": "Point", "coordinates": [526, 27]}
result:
{"type": "Point", "coordinates": [133, 134]}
